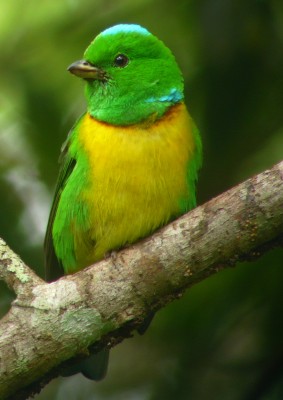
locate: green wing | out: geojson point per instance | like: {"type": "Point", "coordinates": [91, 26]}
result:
{"type": "Point", "coordinates": [53, 265]}
{"type": "Point", "coordinates": [95, 366]}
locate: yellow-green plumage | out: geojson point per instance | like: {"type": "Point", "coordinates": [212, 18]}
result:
{"type": "Point", "coordinates": [129, 165]}
{"type": "Point", "coordinates": [135, 181]}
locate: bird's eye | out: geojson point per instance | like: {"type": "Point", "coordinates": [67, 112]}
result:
{"type": "Point", "coordinates": [121, 61]}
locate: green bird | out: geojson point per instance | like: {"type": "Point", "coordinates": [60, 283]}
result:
{"type": "Point", "coordinates": [130, 163]}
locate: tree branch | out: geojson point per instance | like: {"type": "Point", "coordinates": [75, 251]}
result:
{"type": "Point", "coordinates": [101, 305]}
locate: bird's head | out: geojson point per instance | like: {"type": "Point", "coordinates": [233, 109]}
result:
{"type": "Point", "coordinates": [131, 76]}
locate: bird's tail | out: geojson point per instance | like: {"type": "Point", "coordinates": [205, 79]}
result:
{"type": "Point", "coordinates": [93, 367]}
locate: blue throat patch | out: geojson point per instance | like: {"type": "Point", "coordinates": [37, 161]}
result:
{"type": "Point", "coordinates": [174, 96]}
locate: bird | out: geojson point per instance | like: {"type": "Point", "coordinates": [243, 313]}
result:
{"type": "Point", "coordinates": [130, 163]}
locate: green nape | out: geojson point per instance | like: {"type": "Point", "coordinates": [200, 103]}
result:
{"type": "Point", "coordinates": [148, 84]}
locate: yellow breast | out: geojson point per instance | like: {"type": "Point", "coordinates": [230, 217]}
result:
{"type": "Point", "coordinates": [137, 182]}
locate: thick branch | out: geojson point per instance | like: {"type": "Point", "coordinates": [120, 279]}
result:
{"type": "Point", "coordinates": [101, 305]}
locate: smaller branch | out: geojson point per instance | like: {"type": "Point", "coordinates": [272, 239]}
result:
{"type": "Point", "coordinates": [14, 272]}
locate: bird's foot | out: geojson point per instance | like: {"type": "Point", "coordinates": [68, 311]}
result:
{"type": "Point", "coordinates": [112, 254]}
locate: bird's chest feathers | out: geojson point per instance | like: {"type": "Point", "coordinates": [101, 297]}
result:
{"type": "Point", "coordinates": [137, 176]}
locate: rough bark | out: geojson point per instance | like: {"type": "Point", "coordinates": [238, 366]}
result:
{"type": "Point", "coordinates": [101, 305]}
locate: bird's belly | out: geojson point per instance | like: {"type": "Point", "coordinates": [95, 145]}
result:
{"type": "Point", "coordinates": [137, 182]}
{"type": "Point", "coordinates": [126, 209]}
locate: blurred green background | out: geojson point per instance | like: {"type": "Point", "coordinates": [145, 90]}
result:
{"type": "Point", "coordinates": [224, 338]}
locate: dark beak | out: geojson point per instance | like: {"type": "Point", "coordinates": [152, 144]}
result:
{"type": "Point", "coordinates": [84, 69]}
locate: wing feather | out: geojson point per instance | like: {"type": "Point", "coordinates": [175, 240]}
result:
{"type": "Point", "coordinates": [53, 265]}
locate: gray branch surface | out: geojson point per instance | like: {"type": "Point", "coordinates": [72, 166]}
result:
{"type": "Point", "coordinates": [101, 305]}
